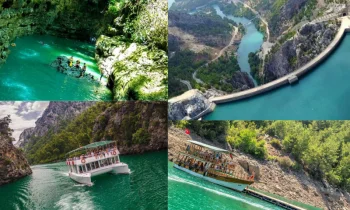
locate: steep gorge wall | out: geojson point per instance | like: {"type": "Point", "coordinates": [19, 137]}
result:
{"type": "Point", "coordinates": [13, 165]}
{"type": "Point", "coordinates": [75, 19]}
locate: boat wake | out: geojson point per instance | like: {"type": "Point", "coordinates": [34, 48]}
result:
{"type": "Point", "coordinates": [181, 180]}
{"type": "Point", "coordinates": [77, 200]}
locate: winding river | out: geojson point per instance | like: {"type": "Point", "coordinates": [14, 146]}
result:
{"type": "Point", "coordinates": [49, 187]}
{"type": "Point", "coordinates": [322, 94]}
{"type": "Point", "coordinates": [251, 41]}
{"type": "Point", "coordinates": [189, 192]}
{"type": "Point", "coordinates": [27, 74]}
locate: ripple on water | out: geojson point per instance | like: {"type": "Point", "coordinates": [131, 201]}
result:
{"type": "Point", "coordinates": [28, 53]}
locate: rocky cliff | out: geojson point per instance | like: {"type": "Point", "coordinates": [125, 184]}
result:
{"type": "Point", "coordinates": [136, 126]}
{"type": "Point", "coordinates": [13, 165]}
{"type": "Point", "coordinates": [188, 105]}
{"type": "Point", "coordinates": [55, 113]}
{"type": "Point", "coordinates": [306, 44]}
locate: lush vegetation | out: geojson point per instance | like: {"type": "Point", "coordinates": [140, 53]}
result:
{"type": "Point", "coordinates": [321, 148]}
{"type": "Point", "coordinates": [181, 66]}
{"type": "Point", "coordinates": [219, 73]}
{"type": "Point", "coordinates": [255, 65]}
{"type": "Point", "coordinates": [70, 135]}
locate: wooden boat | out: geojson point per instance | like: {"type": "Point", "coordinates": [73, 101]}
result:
{"type": "Point", "coordinates": [207, 162]}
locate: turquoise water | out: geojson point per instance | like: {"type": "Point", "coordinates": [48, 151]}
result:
{"type": "Point", "coordinates": [251, 41]}
{"type": "Point", "coordinates": [189, 192]}
{"type": "Point", "coordinates": [49, 187]}
{"type": "Point", "coordinates": [27, 74]}
{"type": "Point", "coordinates": [323, 94]}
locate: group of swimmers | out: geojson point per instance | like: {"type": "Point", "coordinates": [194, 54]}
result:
{"type": "Point", "coordinates": [77, 65]}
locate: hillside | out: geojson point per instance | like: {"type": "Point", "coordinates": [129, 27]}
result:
{"type": "Point", "coordinates": [137, 127]}
{"type": "Point", "coordinates": [309, 180]}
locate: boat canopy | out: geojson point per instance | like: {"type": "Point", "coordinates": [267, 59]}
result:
{"type": "Point", "coordinates": [92, 145]}
{"type": "Point", "coordinates": [216, 149]}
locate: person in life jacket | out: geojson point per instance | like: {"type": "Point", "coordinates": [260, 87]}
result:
{"type": "Point", "coordinates": [71, 61]}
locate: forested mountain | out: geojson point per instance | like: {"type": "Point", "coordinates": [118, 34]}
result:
{"type": "Point", "coordinates": [305, 161]}
{"type": "Point", "coordinates": [135, 126]}
{"type": "Point", "coordinates": [13, 164]}
{"type": "Point", "coordinates": [321, 148]}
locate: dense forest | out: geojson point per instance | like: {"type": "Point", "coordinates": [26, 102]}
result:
{"type": "Point", "coordinates": [320, 148]}
{"type": "Point", "coordinates": [133, 124]}
{"type": "Point", "coordinates": [255, 62]}
{"type": "Point", "coordinates": [181, 66]}
{"type": "Point", "coordinates": [219, 73]}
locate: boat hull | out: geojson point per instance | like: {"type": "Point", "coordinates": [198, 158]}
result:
{"type": "Point", "coordinates": [235, 186]}
{"type": "Point", "coordinates": [85, 178]}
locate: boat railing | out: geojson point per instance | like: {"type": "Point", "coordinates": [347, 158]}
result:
{"type": "Point", "coordinates": [91, 158]}
{"type": "Point", "coordinates": [231, 173]}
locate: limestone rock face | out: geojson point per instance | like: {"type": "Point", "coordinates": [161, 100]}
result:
{"type": "Point", "coordinates": [123, 120]}
{"type": "Point", "coordinates": [187, 105]}
{"type": "Point", "coordinates": [308, 43]}
{"type": "Point", "coordinates": [55, 113]}
{"type": "Point", "coordinates": [13, 165]}
{"type": "Point", "coordinates": [241, 81]}
{"type": "Point", "coordinates": [135, 71]}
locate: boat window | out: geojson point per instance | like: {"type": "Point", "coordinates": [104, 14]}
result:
{"type": "Point", "coordinates": [117, 159]}
{"type": "Point", "coordinates": [84, 168]}
{"type": "Point", "coordinates": [88, 167]}
{"type": "Point", "coordinates": [93, 166]}
{"type": "Point", "coordinates": [80, 169]}
{"type": "Point", "coordinates": [113, 160]}
{"type": "Point", "coordinates": [101, 163]}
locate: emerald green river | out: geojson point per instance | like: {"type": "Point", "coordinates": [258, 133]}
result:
{"type": "Point", "coordinates": [189, 192]}
{"type": "Point", "coordinates": [27, 74]}
{"type": "Point", "coordinates": [49, 187]}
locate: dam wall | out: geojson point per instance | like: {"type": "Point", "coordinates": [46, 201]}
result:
{"type": "Point", "coordinates": [345, 27]}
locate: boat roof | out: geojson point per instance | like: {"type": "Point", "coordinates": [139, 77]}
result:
{"type": "Point", "coordinates": [216, 149]}
{"type": "Point", "coordinates": [92, 145]}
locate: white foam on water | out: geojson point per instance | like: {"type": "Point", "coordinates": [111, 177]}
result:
{"type": "Point", "coordinates": [28, 53]}
{"type": "Point", "coordinates": [178, 179]}
{"type": "Point", "coordinates": [75, 201]}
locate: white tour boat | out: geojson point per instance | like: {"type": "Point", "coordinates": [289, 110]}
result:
{"type": "Point", "coordinates": [94, 159]}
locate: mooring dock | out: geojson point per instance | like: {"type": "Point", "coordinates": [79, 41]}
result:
{"type": "Point", "coordinates": [272, 200]}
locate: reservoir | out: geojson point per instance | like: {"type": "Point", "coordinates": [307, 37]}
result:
{"type": "Point", "coordinates": [321, 94]}
{"type": "Point", "coordinates": [27, 74]}
{"type": "Point", "coordinates": [49, 187]}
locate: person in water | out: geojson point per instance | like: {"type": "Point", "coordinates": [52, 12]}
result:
{"type": "Point", "coordinates": [77, 64]}
{"type": "Point", "coordinates": [70, 62]}
{"type": "Point", "coordinates": [83, 70]}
